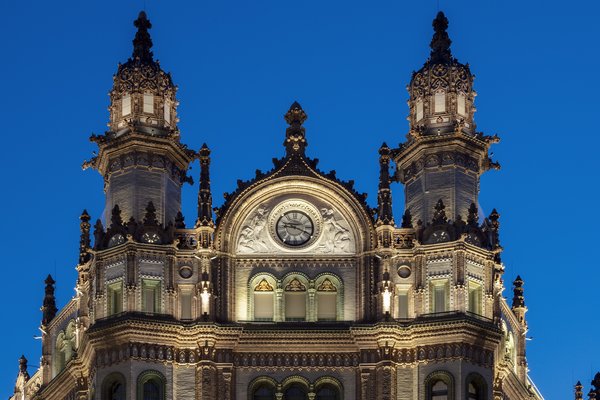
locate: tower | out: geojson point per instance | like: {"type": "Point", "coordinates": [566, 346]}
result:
{"type": "Point", "coordinates": [299, 289]}
{"type": "Point", "coordinates": [444, 154]}
{"type": "Point", "coordinates": [141, 157]}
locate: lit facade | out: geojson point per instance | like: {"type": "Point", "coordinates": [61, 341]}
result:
{"type": "Point", "coordinates": [298, 289]}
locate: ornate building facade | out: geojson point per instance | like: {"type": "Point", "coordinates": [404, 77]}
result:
{"type": "Point", "coordinates": [298, 289]}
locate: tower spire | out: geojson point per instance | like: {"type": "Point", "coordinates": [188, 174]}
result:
{"type": "Point", "coordinates": [384, 194]}
{"type": "Point", "coordinates": [142, 43]}
{"type": "Point", "coordinates": [440, 43]}
{"type": "Point", "coordinates": [49, 306]}
{"type": "Point", "coordinates": [295, 139]}
{"type": "Point", "coordinates": [204, 193]}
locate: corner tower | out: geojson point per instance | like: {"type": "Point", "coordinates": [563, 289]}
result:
{"type": "Point", "coordinates": [140, 156]}
{"type": "Point", "coordinates": [444, 155]}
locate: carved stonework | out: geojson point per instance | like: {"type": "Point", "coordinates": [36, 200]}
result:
{"type": "Point", "coordinates": [327, 286]}
{"type": "Point", "coordinates": [263, 286]}
{"type": "Point", "coordinates": [295, 286]}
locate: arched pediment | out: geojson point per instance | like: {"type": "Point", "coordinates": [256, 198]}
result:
{"type": "Point", "coordinates": [295, 216]}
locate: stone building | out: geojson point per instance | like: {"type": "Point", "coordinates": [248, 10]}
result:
{"type": "Point", "coordinates": [298, 289]}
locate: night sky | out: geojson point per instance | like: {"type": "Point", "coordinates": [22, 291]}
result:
{"type": "Point", "coordinates": [240, 64]}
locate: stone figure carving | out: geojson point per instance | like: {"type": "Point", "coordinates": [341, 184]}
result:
{"type": "Point", "coordinates": [336, 238]}
{"type": "Point", "coordinates": [251, 240]}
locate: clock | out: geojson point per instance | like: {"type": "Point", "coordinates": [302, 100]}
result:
{"type": "Point", "coordinates": [150, 237]}
{"type": "Point", "coordinates": [294, 228]}
{"type": "Point", "coordinates": [116, 240]}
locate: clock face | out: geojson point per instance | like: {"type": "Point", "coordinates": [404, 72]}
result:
{"type": "Point", "coordinates": [150, 237]}
{"type": "Point", "coordinates": [116, 240]}
{"type": "Point", "coordinates": [294, 228]}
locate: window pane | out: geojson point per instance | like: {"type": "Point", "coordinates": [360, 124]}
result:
{"type": "Point", "coordinates": [125, 105]}
{"type": "Point", "coordinates": [475, 294]}
{"type": "Point", "coordinates": [148, 103]}
{"type": "Point", "coordinates": [263, 306]}
{"type": "Point", "coordinates": [295, 306]}
{"type": "Point", "coordinates": [151, 390]}
{"type": "Point", "coordinates": [186, 305]}
{"type": "Point", "coordinates": [402, 305]}
{"type": "Point", "coordinates": [461, 101]}
{"type": "Point", "coordinates": [295, 393]}
{"type": "Point", "coordinates": [419, 110]}
{"type": "Point", "coordinates": [264, 393]}
{"type": "Point", "coordinates": [439, 298]}
{"type": "Point", "coordinates": [439, 391]}
{"type": "Point", "coordinates": [326, 306]}
{"type": "Point", "coordinates": [440, 102]}
{"type": "Point", "coordinates": [150, 295]}
{"type": "Point", "coordinates": [117, 391]}
{"type": "Point", "coordinates": [167, 112]}
{"type": "Point", "coordinates": [115, 298]}
{"type": "Point", "coordinates": [327, 392]}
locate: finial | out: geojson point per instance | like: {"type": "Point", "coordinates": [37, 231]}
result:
{"type": "Point", "coordinates": [407, 219]}
{"type": "Point", "coordinates": [23, 366]}
{"type": "Point", "coordinates": [179, 221]}
{"type": "Point", "coordinates": [495, 227]}
{"type": "Point", "coordinates": [596, 382]}
{"type": "Point", "coordinates": [578, 391]}
{"type": "Point", "coordinates": [440, 44]}
{"type": "Point", "coordinates": [592, 394]}
{"type": "Point", "coordinates": [150, 217]}
{"type": "Point", "coordinates": [115, 220]}
{"type": "Point", "coordinates": [473, 216]}
{"type": "Point", "coordinates": [384, 194]}
{"type": "Point", "coordinates": [98, 234]}
{"type": "Point", "coordinates": [518, 298]}
{"type": "Point", "coordinates": [204, 193]}
{"type": "Point", "coordinates": [439, 216]}
{"type": "Point", "coordinates": [295, 140]}
{"type": "Point", "coordinates": [49, 305]}
{"type": "Point", "coordinates": [84, 240]}
{"type": "Point", "coordinates": [142, 43]}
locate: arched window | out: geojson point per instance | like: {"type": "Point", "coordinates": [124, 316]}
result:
{"type": "Point", "coordinates": [151, 386]}
{"type": "Point", "coordinates": [439, 102]}
{"type": "Point", "coordinates": [264, 301]}
{"type": "Point", "coordinates": [439, 391]}
{"type": "Point", "coordinates": [264, 392]}
{"type": "Point", "coordinates": [113, 387]}
{"type": "Point", "coordinates": [476, 388]}
{"type": "Point", "coordinates": [439, 385]}
{"type": "Point", "coordinates": [328, 392]}
{"type": "Point", "coordinates": [295, 301]}
{"type": "Point", "coordinates": [326, 301]}
{"type": "Point", "coordinates": [295, 392]}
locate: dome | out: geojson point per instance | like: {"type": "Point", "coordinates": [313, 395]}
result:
{"type": "Point", "coordinates": [441, 92]}
{"type": "Point", "coordinates": [143, 94]}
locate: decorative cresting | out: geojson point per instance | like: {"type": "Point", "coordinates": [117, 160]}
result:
{"type": "Point", "coordinates": [143, 94]}
{"type": "Point", "coordinates": [444, 154]}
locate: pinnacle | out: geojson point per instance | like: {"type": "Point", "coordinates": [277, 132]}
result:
{"type": "Point", "coordinates": [440, 43]}
{"type": "Point", "coordinates": [142, 43]}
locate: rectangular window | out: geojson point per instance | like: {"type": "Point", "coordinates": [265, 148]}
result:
{"type": "Point", "coordinates": [439, 296]}
{"type": "Point", "coordinates": [185, 304]}
{"type": "Point", "coordinates": [295, 306]}
{"type": "Point", "coordinates": [440, 102]}
{"type": "Point", "coordinates": [115, 298]}
{"type": "Point", "coordinates": [151, 295]}
{"type": "Point", "coordinates": [167, 112]}
{"type": "Point", "coordinates": [461, 104]}
{"type": "Point", "coordinates": [148, 103]}
{"type": "Point", "coordinates": [125, 105]}
{"type": "Point", "coordinates": [419, 110]}
{"type": "Point", "coordinates": [402, 304]}
{"type": "Point", "coordinates": [326, 306]}
{"type": "Point", "coordinates": [475, 295]}
{"type": "Point", "coordinates": [263, 306]}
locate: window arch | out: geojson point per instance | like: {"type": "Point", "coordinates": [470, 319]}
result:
{"type": "Point", "coordinates": [295, 388]}
{"type": "Point", "coordinates": [264, 300]}
{"type": "Point", "coordinates": [151, 385]}
{"type": "Point", "coordinates": [328, 388]}
{"type": "Point", "coordinates": [113, 387]}
{"type": "Point", "coordinates": [476, 387]}
{"type": "Point", "coordinates": [262, 388]}
{"type": "Point", "coordinates": [439, 385]}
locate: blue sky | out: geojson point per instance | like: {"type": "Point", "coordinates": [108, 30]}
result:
{"type": "Point", "coordinates": [239, 65]}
